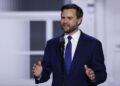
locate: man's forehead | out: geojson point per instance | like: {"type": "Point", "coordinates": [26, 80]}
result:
{"type": "Point", "coordinates": [69, 12]}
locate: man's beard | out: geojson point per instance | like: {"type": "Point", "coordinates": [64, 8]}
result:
{"type": "Point", "coordinates": [70, 29]}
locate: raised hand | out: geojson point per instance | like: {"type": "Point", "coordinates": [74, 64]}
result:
{"type": "Point", "coordinates": [90, 73]}
{"type": "Point", "coordinates": [37, 69]}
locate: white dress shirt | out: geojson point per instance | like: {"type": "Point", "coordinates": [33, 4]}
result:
{"type": "Point", "coordinates": [74, 41]}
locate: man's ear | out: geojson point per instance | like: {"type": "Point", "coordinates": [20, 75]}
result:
{"type": "Point", "coordinates": [80, 20]}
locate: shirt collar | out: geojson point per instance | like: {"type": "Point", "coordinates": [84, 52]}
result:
{"type": "Point", "coordinates": [75, 36]}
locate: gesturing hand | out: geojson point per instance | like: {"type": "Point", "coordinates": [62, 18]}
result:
{"type": "Point", "coordinates": [90, 73]}
{"type": "Point", "coordinates": [37, 69]}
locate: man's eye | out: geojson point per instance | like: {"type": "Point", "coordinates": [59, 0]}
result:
{"type": "Point", "coordinates": [70, 18]}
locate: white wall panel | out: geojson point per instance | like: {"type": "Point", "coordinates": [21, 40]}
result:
{"type": "Point", "coordinates": [14, 41]}
{"type": "Point", "coordinates": [112, 14]}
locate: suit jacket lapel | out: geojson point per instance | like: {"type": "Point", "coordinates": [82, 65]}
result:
{"type": "Point", "coordinates": [60, 56]}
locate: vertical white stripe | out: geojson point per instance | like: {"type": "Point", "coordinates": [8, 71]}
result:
{"type": "Point", "coordinates": [49, 29]}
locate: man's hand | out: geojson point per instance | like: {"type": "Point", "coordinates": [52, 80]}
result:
{"type": "Point", "coordinates": [37, 69]}
{"type": "Point", "coordinates": [90, 73]}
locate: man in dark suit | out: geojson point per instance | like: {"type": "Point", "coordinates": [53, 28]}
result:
{"type": "Point", "coordinates": [74, 58]}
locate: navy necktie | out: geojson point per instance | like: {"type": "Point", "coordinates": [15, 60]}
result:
{"type": "Point", "coordinates": [68, 54]}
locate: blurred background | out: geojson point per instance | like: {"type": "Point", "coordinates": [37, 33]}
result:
{"type": "Point", "coordinates": [26, 25]}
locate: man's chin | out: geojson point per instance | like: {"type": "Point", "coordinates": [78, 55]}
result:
{"type": "Point", "coordinates": [67, 32]}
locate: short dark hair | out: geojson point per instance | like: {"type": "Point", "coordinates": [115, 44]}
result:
{"type": "Point", "coordinates": [79, 11]}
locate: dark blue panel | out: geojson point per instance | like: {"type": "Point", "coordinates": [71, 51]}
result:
{"type": "Point", "coordinates": [39, 5]}
{"type": "Point", "coordinates": [57, 31]}
{"type": "Point", "coordinates": [37, 35]}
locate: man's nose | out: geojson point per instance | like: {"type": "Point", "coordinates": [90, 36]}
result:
{"type": "Point", "coordinates": [65, 20]}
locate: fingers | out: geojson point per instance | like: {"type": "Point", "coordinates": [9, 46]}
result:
{"type": "Point", "coordinates": [35, 65]}
{"type": "Point", "coordinates": [89, 72]}
{"type": "Point", "coordinates": [39, 62]}
{"type": "Point", "coordinates": [92, 77]}
{"type": "Point", "coordinates": [86, 67]}
{"type": "Point", "coordinates": [34, 68]}
{"type": "Point", "coordinates": [37, 69]}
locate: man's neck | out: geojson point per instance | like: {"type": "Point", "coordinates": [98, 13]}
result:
{"type": "Point", "coordinates": [73, 32]}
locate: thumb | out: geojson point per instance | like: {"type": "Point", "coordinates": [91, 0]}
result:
{"type": "Point", "coordinates": [39, 63]}
{"type": "Point", "coordinates": [86, 67]}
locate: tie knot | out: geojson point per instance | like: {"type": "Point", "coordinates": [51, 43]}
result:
{"type": "Point", "coordinates": [69, 37]}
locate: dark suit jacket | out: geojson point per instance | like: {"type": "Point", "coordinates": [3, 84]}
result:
{"type": "Point", "coordinates": [89, 51]}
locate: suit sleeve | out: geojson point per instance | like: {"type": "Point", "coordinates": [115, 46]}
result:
{"type": "Point", "coordinates": [46, 64]}
{"type": "Point", "coordinates": [98, 64]}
